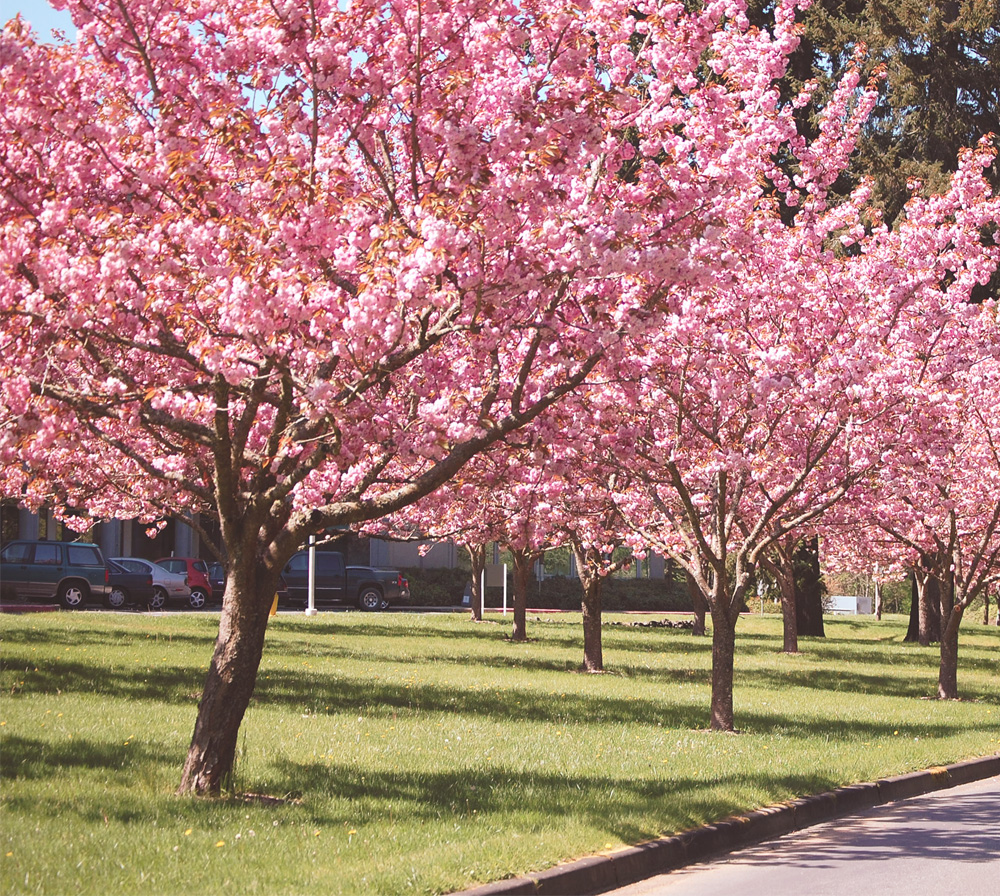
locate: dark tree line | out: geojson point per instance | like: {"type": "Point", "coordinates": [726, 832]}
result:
{"type": "Point", "coordinates": [941, 91]}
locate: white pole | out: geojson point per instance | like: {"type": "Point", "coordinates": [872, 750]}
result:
{"type": "Point", "coordinates": [311, 607]}
{"type": "Point", "coordinates": [482, 593]}
{"type": "Point", "coordinates": [505, 589]}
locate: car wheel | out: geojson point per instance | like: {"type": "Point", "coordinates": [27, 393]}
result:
{"type": "Point", "coordinates": [117, 598]}
{"type": "Point", "coordinates": [370, 599]}
{"type": "Point", "coordinates": [198, 599]}
{"type": "Point", "coordinates": [72, 595]}
{"type": "Point", "coordinates": [159, 599]}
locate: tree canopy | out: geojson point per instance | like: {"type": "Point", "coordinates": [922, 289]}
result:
{"type": "Point", "coordinates": [941, 91]}
{"type": "Point", "coordinates": [298, 265]}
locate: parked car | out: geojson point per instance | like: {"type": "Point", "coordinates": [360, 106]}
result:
{"type": "Point", "coordinates": [217, 579]}
{"type": "Point", "coordinates": [367, 587]}
{"type": "Point", "coordinates": [197, 576]}
{"type": "Point", "coordinates": [74, 572]}
{"type": "Point", "coordinates": [128, 586]}
{"type": "Point", "coordinates": [166, 585]}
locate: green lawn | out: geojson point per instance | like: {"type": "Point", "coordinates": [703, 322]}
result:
{"type": "Point", "coordinates": [421, 754]}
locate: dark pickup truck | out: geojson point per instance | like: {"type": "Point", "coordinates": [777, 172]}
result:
{"type": "Point", "coordinates": [337, 583]}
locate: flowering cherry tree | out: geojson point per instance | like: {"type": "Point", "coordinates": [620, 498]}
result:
{"type": "Point", "coordinates": [294, 264]}
{"type": "Point", "coordinates": [797, 376]}
{"type": "Point", "coordinates": [532, 495]}
{"type": "Point", "coordinates": [943, 509]}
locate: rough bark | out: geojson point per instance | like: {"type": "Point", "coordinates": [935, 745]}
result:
{"type": "Point", "coordinates": [593, 650]}
{"type": "Point", "coordinates": [523, 561]}
{"type": "Point", "coordinates": [789, 617]}
{"type": "Point", "coordinates": [780, 562]}
{"type": "Point", "coordinates": [699, 604]}
{"type": "Point", "coordinates": [913, 625]}
{"type": "Point", "coordinates": [925, 609]}
{"type": "Point", "coordinates": [952, 607]}
{"type": "Point", "coordinates": [808, 590]}
{"type": "Point", "coordinates": [947, 688]}
{"type": "Point", "coordinates": [588, 565]}
{"type": "Point", "coordinates": [929, 610]}
{"type": "Point", "coordinates": [230, 683]}
{"type": "Point", "coordinates": [723, 655]}
{"type": "Point", "coordinates": [477, 557]}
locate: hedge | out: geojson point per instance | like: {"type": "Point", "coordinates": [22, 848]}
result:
{"type": "Point", "coordinates": [446, 588]}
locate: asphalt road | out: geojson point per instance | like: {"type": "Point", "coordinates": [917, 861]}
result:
{"type": "Point", "coordinates": [941, 843]}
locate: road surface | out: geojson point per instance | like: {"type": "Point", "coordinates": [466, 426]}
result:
{"type": "Point", "coordinates": [945, 842]}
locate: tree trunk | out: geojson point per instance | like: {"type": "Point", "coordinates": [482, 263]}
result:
{"type": "Point", "coordinates": [947, 688]}
{"type": "Point", "coordinates": [929, 611]}
{"type": "Point", "coordinates": [789, 617]}
{"type": "Point", "coordinates": [913, 627]}
{"type": "Point", "coordinates": [952, 607]}
{"type": "Point", "coordinates": [593, 651]}
{"type": "Point", "coordinates": [783, 563]}
{"type": "Point", "coordinates": [878, 601]}
{"type": "Point", "coordinates": [477, 557]}
{"type": "Point", "coordinates": [588, 566]}
{"type": "Point", "coordinates": [523, 561]}
{"type": "Point", "coordinates": [699, 604]}
{"type": "Point", "coordinates": [808, 590]}
{"type": "Point", "coordinates": [925, 609]}
{"type": "Point", "coordinates": [229, 685]}
{"type": "Point", "coordinates": [723, 654]}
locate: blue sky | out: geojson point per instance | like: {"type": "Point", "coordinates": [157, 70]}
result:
{"type": "Point", "coordinates": [43, 18]}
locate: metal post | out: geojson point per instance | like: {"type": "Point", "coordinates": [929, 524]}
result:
{"type": "Point", "coordinates": [311, 606]}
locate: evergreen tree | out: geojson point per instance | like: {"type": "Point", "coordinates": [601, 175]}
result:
{"type": "Point", "coordinates": [941, 91]}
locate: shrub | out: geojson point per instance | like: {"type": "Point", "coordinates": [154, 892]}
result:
{"type": "Point", "coordinates": [437, 587]}
{"type": "Point", "coordinates": [441, 587]}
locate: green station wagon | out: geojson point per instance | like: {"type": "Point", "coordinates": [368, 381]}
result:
{"type": "Point", "coordinates": [74, 572]}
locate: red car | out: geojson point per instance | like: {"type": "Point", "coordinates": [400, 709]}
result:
{"type": "Point", "coordinates": [197, 575]}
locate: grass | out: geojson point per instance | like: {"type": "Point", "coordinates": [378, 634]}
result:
{"type": "Point", "coordinates": [421, 754]}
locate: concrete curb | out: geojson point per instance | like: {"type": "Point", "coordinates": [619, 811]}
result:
{"type": "Point", "coordinates": [29, 608]}
{"type": "Point", "coordinates": [600, 873]}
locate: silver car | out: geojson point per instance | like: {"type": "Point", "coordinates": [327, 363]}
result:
{"type": "Point", "coordinates": [166, 585]}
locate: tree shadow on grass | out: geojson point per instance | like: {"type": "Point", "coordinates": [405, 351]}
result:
{"type": "Point", "coordinates": [625, 807]}
{"type": "Point", "coordinates": [519, 705]}
{"type": "Point", "coordinates": [334, 794]}
{"type": "Point", "coordinates": [331, 694]}
{"type": "Point", "coordinates": [161, 684]}
{"type": "Point", "coordinates": [29, 758]}
{"type": "Point", "coordinates": [350, 641]}
{"type": "Point", "coordinates": [104, 636]}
